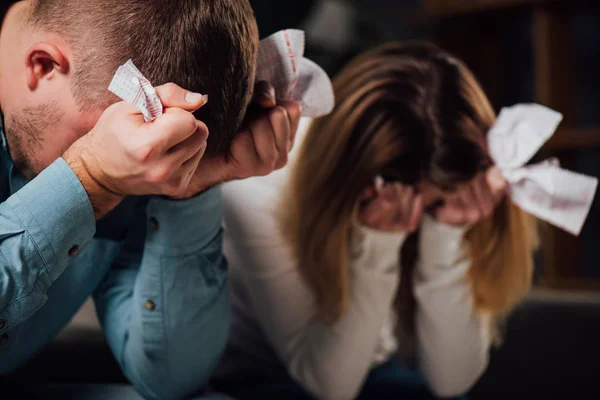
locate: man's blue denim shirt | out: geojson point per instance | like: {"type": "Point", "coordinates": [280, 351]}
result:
{"type": "Point", "coordinates": [155, 268]}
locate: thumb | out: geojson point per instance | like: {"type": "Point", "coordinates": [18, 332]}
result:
{"type": "Point", "coordinates": [496, 180]}
{"type": "Point", "coordinates": [172, 95]}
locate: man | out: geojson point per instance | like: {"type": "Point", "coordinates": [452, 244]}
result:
{"type": "Point", "coordinates": [68, 161]}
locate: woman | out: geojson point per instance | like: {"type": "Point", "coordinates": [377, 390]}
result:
{"type": "Point", "coordinates": [322, 293]}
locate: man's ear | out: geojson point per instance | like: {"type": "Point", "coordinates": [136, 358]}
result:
{"type": "Point", "coordinates": [43, 62]}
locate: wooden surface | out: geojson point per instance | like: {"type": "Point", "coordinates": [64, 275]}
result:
{"type": "Point", "coordinates": [568, 138]}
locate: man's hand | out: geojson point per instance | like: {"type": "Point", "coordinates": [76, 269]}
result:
{"type": "Point", "coordinates": [259, 149]}
{"type": "Point", "coordinates": [475, 200]}
{"type": "Point", "coordinates": [124, 156]}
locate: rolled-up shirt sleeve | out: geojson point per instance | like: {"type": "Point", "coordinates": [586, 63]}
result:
{"type": "Point", "coordinates": [42, 226]}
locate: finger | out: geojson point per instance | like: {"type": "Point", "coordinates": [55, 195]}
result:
{"type": "Point", "coordinates": [280, 125]}
{"type": "Point", "coordinates": [247, 160]}
{"type": "Point", "coordinates": [172, 95]}
{"type": "Point", "coordinates": [190, 166]}
{"type": "Point", "coordinates": [416, 212]}
{"type": "Point", "coordinates": [371, 214]}
{"type": "Point", "coordinates": [186, 150]}
{"type": "Point", "coordinates": [294, 111]}
{"type": "Point", "coordinates": [171, 128]}
{"type": "Point", "coordinates": [452, 213]}
{"type": "Point", "coordinates": [406, 200]}
{"type": "Point", "coordinates": [391, 194]}
{"type": "Point", "coordinates": [371, 192]}
{"type": "Point", "coordinates": [391, 207]}
{"type": "Point", "coordinates": [394, 194]}
{"type": "Point", "coordinates": [264, 145]}
{"type": "Point", "coordinates": [395, 219]}
{"type": "Point", "coordinates": [497, 183]}
{"type": "Point", "coordinates": [124, 108]}
{"type": "Point", "coordinates": [380, 211]}
{"type": "Point", "coordinates": [182, 177]}
{"type": "Point", "coordinates": [468, 203]}
{"type": "Point", "coordinates": [264, 95]}
{"type": "Point", "coordinates": [483, 195]}
{"type": "Point", "coordinates": [366, 196]}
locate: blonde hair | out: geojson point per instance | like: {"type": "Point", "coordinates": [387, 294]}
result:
{"type": "Point", "coordinates": [409, 112]}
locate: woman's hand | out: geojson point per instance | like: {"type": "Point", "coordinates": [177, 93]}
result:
{"type": "Point", "coordinates": [473, 201]}
{"type": "Point", "coordinates": [391, 207]}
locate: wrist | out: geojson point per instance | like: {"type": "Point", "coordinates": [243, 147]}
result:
{"type": "Point", "coordinates": [103, 200]}
{"type": "Point", "coordinates": [379, 243]}
{"type": "Point", "coordinates": [441, 228]}
{"type": "Point", "coordinates": [211, 172]}
{"type": "Point", "coordinates": [441, 243]}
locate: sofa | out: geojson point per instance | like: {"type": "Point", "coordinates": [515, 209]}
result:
{"type": "Point", "coordinates": [550, 351]}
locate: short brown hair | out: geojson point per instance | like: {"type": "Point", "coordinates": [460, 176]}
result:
{"type": "Point", "coordinates": [206, 46]}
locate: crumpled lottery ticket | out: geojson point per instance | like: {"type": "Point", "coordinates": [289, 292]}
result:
{"type": "Point", "coordinates": [280, 62]}
{"type": "Point", "coordinates": [555, 195]}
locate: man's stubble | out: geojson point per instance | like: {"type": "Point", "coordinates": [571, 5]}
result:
{"type": "Point", "coordinates": [26, 133]}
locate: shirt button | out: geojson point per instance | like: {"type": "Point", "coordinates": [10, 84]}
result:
{"type": "Point", "coordinates": [3, 339]}
{"type": "Point", "coordinates": [73, 251]}
{"type": "Point", "coordinates": [150, 305]}
{"type": "Point", "coordinates": [154, 223]}
{"type": "Point", "coordinates": [2, 323]}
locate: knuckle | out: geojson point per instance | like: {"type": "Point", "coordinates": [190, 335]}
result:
{"type": "Point", "coordinates": [186, 120]}
{"type": "Point", "coordinates": [159, 176]}
{"type": "Point", "coordinates": [278, 113]}
{"type": "Point", "coordinates": [265, 170]}
{"type": "Point", "coordinates": [170, 89]}
{"type": "Point", "coordinates": [191, 123]}
{"type": "Point", "coordinates": [261, 86]}
{"type": "Point", "coordinates": [144, 153]}
{"type": "Point", "coordinates": [181, 188]}
{"type": "Point", "coordinates": [488, 211]}
{"type": "Point", "coordinates": [174, 188]}
{"type": "Point", "coordinates": [273, 165]}
{"type": "Point", "coordinates": [283, 160]}
{"type": "Point", "coordinates": [295, 110]}
{"type": "Point", "coordinates": [203, 131]}
{"type": "Point", "coordinates": [268, 166]}
{"type": "Point", "coordinates": [112, 110]}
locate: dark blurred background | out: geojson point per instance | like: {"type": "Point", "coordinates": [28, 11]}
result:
{"type": "Point", "coordinates": [521, 51]}
{"type": "Point", "coordinates": [547, 51]}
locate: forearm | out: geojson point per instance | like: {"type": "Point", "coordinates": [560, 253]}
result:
{"type": "Point", "coordinates": [167, 322]}
{"type": "Point", "coordinates": [318, 355]}
{"type": "Point", "coordinates": [453, 336]}
{"type": "Point", "coordinates": [42, 227]}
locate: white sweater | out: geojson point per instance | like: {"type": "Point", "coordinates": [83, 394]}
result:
{"type": "Point", "coordinates": [276, 317]}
